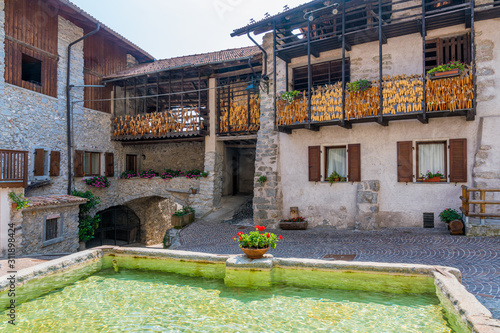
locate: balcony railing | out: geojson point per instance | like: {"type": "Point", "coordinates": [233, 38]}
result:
{"type": "Point", "coordinates": [13, 169]}
{"type": "Point", "coordinates": [402, 99]}
{"type": "Point", "coordinates": [187, 122]}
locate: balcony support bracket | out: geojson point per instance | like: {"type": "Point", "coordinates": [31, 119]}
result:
{"type": "Point", "coordinates": [383, 122]}
{"type": "Point", "coordinates": [423, 119]}
{"type": "Point", "coordinates": [346, 124]}
{"type": "Point", "coordinates": [312, 127]}
{"type": "Point", "coordinates": [470, 116]}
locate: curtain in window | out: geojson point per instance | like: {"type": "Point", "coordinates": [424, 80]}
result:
{"type": "Point", "coordinates": [337, 161]}
{"type": "Point", "coordinates": [95, 163]}
{"type": "Point", "coordinates": [86, 164]}
{"type": "Point", "coordinates": [431, 158]}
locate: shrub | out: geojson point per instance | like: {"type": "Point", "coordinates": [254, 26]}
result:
{"type": "Point", "coordinates": [128, 175]}
{"type": "Point", "coordinates": [169, 174]}
{"type": "Point", "coordinates": [150, 173]}
{"type": "Point", "coordinates": [87, 224]}
{"type": "Point", "coordinates": [360, 85]}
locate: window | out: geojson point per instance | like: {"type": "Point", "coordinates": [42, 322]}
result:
{"type": "Point", "coordinates": [324, 73]}
{"type": "Point", "coordinates": [131, 163]}
{"type": "Point", "coordinates": [31, 70]}
{"type": "Point", "coordinates": [446, 157]}
{"type": "Point", "coordinates": [431, 157]}
{"type": "Point", "coordinates": [50, 229]}
{"type": "Point", "coordinates": [345, 160]}
{"type": "Point", "coordinates": [336, 161]}
{"type": "Point", "coordinates": [46, 164]}
{"type": "Point", "coordinates": [92, 164]}
{"type": "Point", "coordinates": [443, 50]}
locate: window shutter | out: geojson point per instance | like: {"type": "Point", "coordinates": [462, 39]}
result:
{"type": "Point", "coordinates": [405, 161]}
{"type": "Point", "coordinates": [39, 162]}
{"type": "Point", "coordinates": [458, 160]}
{"type": "Point", "coordinates": [314, 163]}
{"type": "Point", "coordinates": [354, 161]}
{"type": "Point", "coordinates": [55, 162]}
{"type": "Point", "coordinates": [78, 163]}
{"type": "Point", "coordinates": [109, 160]}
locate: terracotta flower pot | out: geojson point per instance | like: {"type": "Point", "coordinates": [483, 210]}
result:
{"type": "Point", "coordinates": [451, 72]}
{"type": "Point", "coordinates": [254, 253]}
{"type": "Point", "coordinates": [14, 206]}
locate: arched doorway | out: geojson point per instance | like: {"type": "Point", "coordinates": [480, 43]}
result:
{"type": "Point", "coordinates": [119, 225]}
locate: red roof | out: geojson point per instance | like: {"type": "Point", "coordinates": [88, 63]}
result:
{"type": "Point", "coordinates": [189, 61]}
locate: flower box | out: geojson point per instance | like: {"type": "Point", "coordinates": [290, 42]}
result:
{"type": "Point", "coordinates": [181, 221]}
{"type": "Point", "coordinates": [445, 74]}
{"type": "Point", "coordinates": [432, 180]}
{"type": "Point", "coordinates": [293, 225]}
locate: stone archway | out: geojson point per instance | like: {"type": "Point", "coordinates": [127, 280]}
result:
{"type": "Point", "coordinates": [155, 214]}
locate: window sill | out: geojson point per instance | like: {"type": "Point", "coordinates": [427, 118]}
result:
{"type": "Point", "coordinates": [53, 241]}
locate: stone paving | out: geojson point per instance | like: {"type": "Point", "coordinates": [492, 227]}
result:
{"type": "Point", "coordinates": [478, 258]}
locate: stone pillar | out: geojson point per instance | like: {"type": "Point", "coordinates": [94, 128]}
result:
{"type": "Point", "coordinates": [367, 206]}
{"type": "Point", "coordinates": [211, 186]}
{"type": "Point", "coordinates": [268, 198]}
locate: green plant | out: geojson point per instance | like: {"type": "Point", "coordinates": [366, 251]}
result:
{"type": "Point", "coordinates": [185, 210]}
{"type": "Point", "coordinates": [429, 175]}
{"type": "Point", "coordinates": [290, 96]}
{"type": "Point", "coordinates": [19, 200]}
{"type": "Point", "coordinates": [262, 180]}
{"type": "Point", "coordinates": [360, 85]}
{"type": "Point", "coordinates": [87, 224]}
{"type": "Point", "coordinates": [256, 240]}
{"type": "Point", "coordinates": [334, 177]}
{"type": "Point", "coordinates": [343, 179]}
{"type": "Point", "coordinates": [447, 67]}
{"type": "Point", "coordinates": [449, 215]}
{"type": "Point", "coordinates": [128, 175]}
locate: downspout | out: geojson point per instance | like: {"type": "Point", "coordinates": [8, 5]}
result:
{"type": "Point", "coordinates": [264, 75]}
{"type": "Point", "coordinates": [68, 107]}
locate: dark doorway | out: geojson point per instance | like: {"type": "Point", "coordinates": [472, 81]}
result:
{"type": "Point", "coordinates": [239, 170]}
{"type": "Point", "coordinates": [119, 226]}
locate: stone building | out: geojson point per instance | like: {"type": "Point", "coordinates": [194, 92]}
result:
{"type": "Point", "coordinates": [382, 138]}
{"type": "Point", "coordinates": [119, 110]}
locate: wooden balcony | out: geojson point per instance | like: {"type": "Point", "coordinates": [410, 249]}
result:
{"type": "Point", "coordinates": [13, 169]}
{"type": "Point", "coordinates": [241, 116]}
{"type": "Point", "coordinates": [402, 98]}
{"type": "Point", "coordinates": [185, 123]}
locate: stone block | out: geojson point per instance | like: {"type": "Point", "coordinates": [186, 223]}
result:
{"type": "Point", "coordinates": [367, 197]}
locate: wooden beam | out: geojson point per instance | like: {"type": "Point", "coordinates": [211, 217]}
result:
{"type": "Point", "coordinates": [238, 137]}
{"type": "Point", "coordinates": [238, 72]}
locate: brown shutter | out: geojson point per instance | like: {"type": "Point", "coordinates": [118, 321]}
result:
{"type": "Point", "coordinates": [39, 162]}
{"type": "Point", "coordinates": [109, 161]}
{"type": "Point", "coordinates": [78, 163]}
{"type": "Point", "coordinates": [315, 164]}
{"type": "Point", "coordinates": [458, 160]}
{"type": "Point", "coordinates": [405, 161]}
{"type": "Point", "coordinates": [354, 161]}
{"type": "Point", "coordinates": [55, 162]}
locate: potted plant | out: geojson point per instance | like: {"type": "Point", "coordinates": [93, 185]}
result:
{"type": "Point", "coordinates": [290, 96]}
{"type": "Point", "coordinates": [453, 68]}
{"type": "Point", "coordinates": [334, 177]}
{"type": "Point", "coordinates": [343, 179]}
{"type": "Point", "coordinates": [193, 190]}
{"type": "Point", "coordinates": [255, 244]}
{"type": "Point", "coordinates": [98, 182]}
{"type": "Point", "coordinates": [454, 220]}
{"type": "Point", "coordinates": [297, 223]}
{"type": "Point", "coordinates": [182, 217]}
{"type": "Point", "coordinates": [430, 177]}
{"type": "Point", "coordinates": [18, 201]}
{"type": "Point", "coordinates": [359, 85]}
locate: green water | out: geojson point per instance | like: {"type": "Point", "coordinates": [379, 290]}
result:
{"type": "Point", "coordinates": [147, 301]}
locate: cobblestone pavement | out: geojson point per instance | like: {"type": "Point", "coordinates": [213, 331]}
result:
{"type": "Point", "coordinates": [478, 258]}
{"type": "Point", "coordinates": [25, 262]}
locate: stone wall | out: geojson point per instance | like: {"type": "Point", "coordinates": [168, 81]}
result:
{"type": "Point", "coordinates": [178, 156]}
{"type": "Point", "coordinates": [267, 201]}
{"type": "Point", "coordinates": [33, 229]}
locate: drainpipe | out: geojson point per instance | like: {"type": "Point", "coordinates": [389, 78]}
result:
{"type": "Point", "coordinates": [68, 107]}
{"type": "Point", "coordinates": [264, 75]}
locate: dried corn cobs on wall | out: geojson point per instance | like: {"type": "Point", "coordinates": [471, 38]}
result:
{"type": "Point", "coordinates": [237, 111]}
{"type": "Point", "coordinates": [452, 93]}
{"type": "Point", "coordinates": [401, 94]}
{"type": "Point", "coordinates": [158, 123]}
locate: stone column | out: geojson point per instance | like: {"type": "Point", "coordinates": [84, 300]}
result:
{"type": "Point", "coordinates": [211, 186]}
{"type": "Point", "coordinates": [268, 198]}
{"type": "Point", "coordinates": [367, 206]}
